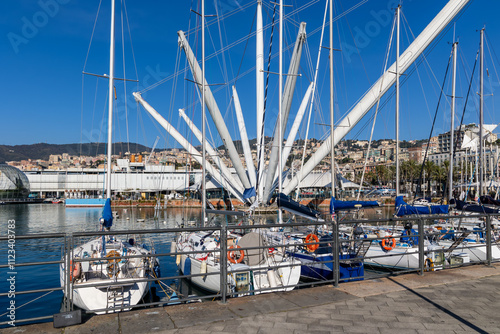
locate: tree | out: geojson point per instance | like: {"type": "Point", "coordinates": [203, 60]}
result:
{"type": "Point", "coordinates": [429, 169]}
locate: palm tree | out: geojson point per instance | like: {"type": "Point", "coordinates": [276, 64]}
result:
{"type": "Point", "coordinates": [441, 175]}
{"type": "Point", "coordinates": [409, 171]}
{"type": "Point", "coordinates": [429, 168]}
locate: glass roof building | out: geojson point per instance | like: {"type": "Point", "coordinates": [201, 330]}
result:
{"type": "Point", "coordinates": [14, 184]}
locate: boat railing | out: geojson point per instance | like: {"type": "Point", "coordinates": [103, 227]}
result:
{"type": "Point", "coordinates": [341, 250]}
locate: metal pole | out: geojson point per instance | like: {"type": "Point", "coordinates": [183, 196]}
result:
{"type": "Point", "coordinates": [397, 99]}
{"type": "Point", "coordinates": [203, 159]}
{"type": "Point", "coordinates": [336, 250]}
{"type": "Point", "coordinates": [421, 255]}
{"type": "Point", "coordinates": [66, 273]}
{"type": "Point", "coordinates": [110, 99]}
{"type": "Point", "coordinates": [488, 240]}
{"type": "Point", "coordinates": [332, 141]}
{"type": "Point", "coordinates": [223, 263]}
{"type": "Point", "coordinates": [481, 105]}
{"type": "Point", "coordinates": [452, 130]}
{"type": "Point", "coordinates": [280, 115]}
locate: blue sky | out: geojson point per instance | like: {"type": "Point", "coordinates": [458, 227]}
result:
{"type": "Point", "coordinates": [46, 48]}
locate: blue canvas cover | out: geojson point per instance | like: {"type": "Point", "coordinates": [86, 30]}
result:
{"type": "Point", "coordinates": [464, 206]}
{"type": "Point", "coordinates": [489, 200]}
{"type": "Point", "coordinates": [107, 214]}
{"type": "Point", "coordinates": [249, 193]}
{"type": "Point", "coordinates": [285, 202]}
{"type": "Point", "coordinates": [404, 209]}
{"type": "Point", "coordinates": [336, 205]}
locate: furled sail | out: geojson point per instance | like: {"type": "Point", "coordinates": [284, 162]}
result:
{"type": "Point", "coordinates": [404, 209]}
{"type": "Point", "coordinates": [336, 205]}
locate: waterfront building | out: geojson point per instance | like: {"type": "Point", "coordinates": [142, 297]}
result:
{"type": "Point", "coordinates": [14, 185]}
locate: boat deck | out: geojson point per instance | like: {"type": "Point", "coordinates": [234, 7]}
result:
{"type": "Point", "coordinates": [461, 300]}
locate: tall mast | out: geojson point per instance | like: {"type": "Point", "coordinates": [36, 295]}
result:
{"type": "Point", "coordinates": [203, 155]}
{"type": "Point", "coordinates": [397, 99]}
{"type": "Point", "coordinates": [259, 71]}
{"type": "Point", "coordinates": [481, 105]}
{"type": "Point", "coordinates": [452, 130]}
{"type": "Point", "coordinates": [332, 142]}
{"type": "Point", "coordinates": [110, 98]}
{"type": "Point", "coordinates": [280, 178]}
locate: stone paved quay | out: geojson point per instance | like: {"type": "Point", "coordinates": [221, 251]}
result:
{"type": "Point", "coordinates": [461, 300]}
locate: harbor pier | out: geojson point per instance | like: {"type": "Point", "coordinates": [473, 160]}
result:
{"type": "Point", "coordinates": [459, 300]}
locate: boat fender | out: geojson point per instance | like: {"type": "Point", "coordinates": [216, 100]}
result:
{"type": "Point", "coordinates": [203, 267]}
{"type": "Point", "coordinates": [76, 270]}
{"type": "Point", "coordinates": [271, 277]}
{"type": "Point", "coordinates": [124, 253]}
{"type": "Point", "coordinates": [232, 254]}
{"type": "Point", "coordinates": [131, 241]}
{"type": "Point", "coordinates": [178, 259]}
{"type": "Point", "coordinates": [173, 247]}
{"type": "Point", "coordinates": [94, 256]}
{"type": "Point", "coordinates": [388, 244]}
{"type": "Point", "coordinates": [156, 270]}
{"type": "Point", "coordinates": [187, 266]}
{"type": "Point", "coordinates": [310, 238]}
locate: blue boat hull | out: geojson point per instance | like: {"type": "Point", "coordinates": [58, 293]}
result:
{"type": "Point", "coordinates": [320, 267]}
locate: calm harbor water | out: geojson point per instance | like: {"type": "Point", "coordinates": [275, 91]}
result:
{"type": "Point", "coordinates": [52, 218]}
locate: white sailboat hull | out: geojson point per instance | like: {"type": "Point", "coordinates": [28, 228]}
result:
{"type": "Point", "coordinates": [398, 258]}
{"type": "Point", "coordinates": [476, 251]}
{"type": "Point", "coordinates": [119, 280]}
{"type": "Point", "coordinates": [262, 276]}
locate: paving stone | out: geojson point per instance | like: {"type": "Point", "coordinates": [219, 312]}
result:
{"type": "Point", "coordinates": [148, 321]}
{"type": "Point", "coordinates": [367, 330]}
{"type": "Point", "coordinates": [260, 304]}
{"type": "Point", "coordinates": [397, 331]}
{"type": "Point", "coordinates": [333, 322]}
{"type": "Point", "coordinates": [322, 328]}
{"type": "Point", "coordinates": [380, 318]}
{"type": "Point", "coordinates": [107, 323]}
{"type": "Point", "coordinates": [415, 319]}
{"type": "Point", "coordinates": [193, 314]}
{"type": "Point", "coordinates": [42, 328]}
{"type": "Point", "coordinates": [290, 326]}
{"type": "Point", "coordinates": [426, 331]}
{"type": "Point", "coordinates": [447, 326]}
{"type": "Point", "coordinates": [407, 325]}
{"type": "Point", "coordinates": [355, 312]}
{"type": "Point", "coordinates": [271, 331]}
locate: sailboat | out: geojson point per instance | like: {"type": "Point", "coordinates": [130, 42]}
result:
{"type": "Point", "coordinates": [98, 276]}
{"type": "Point", "coordinates": [257, 269]}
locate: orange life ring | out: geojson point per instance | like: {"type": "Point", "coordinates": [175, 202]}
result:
{"type": "Point", "coordinates": [75, 270]}
{"type": "Point", "coordinates": [232, 257]}
{"type": "Point", "coordinates": [388, 244]}
{"type": "Point", "coordinates": [308, 240]}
